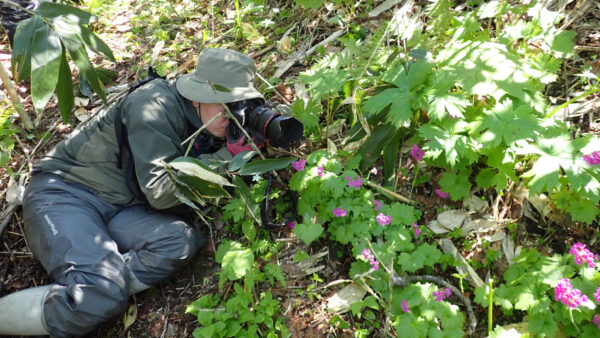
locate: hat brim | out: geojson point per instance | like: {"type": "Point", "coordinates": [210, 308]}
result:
{"type": "Point", "coordinates": [200, 91]}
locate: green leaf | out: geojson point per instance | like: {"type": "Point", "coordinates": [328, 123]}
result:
{"type": "Point", "coordinates": [448, 103]}
{"type": "Point", "coordinates": [372, 147]}
{"type": "Point", "coordinates": [45, 65]}
{"type": "Point", "coordinates": [314, 4]}
{"type": "Point", "coordinates": [540, 322]}
{"type": "Point", "coordinates": [201, 188]}
{"type": "Point", "coordinates": [220, 87]}
{"type": "Point", "coordinates": [308, 231]}
{"type": "Point", "coordinates": [245, 196]}
{"type": "Point", "coordinates": [561, 42]}
{"type": "Point", "coordinates": [249, 230]}
{"type": "Point", "coordinates": [194, 167]}
{"type": "Point", "coordinates": [263, 166]}
{"type": "Point", "coordinates": [308, 113]}
{"type": "Point", "coordinates": [70, 35]}
{"type": "Point", "coordinates": [583, 210]}
{"type": "Point", "coordinates": [424, 255]}
{"type": "Point", "coordinates": [52, 10]}
{"type": "Point", "coordinates": [240, 159]}
{"type": "Point", "coordinates": [457, 185]}
{"type": "Point", "coordinates": [234, 259]}
{"type": "Point", "coordinates": [96, 44]}
{"type": "Point", "coordinates": [23, 46]}
{"type": "Point", "coordinates": [64, 88]}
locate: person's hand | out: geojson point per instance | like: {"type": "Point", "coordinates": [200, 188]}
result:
{"type": "Point", "coordinates": [237, 140]}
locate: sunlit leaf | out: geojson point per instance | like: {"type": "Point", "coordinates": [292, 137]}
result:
{"type": "Point", "coordinates": [45, 65]}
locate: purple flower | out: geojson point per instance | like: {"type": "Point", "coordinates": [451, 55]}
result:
{"type": "Point", "coordinates": [417, 230]}
{"type": "Point", "coordinates": [593, 158]}
{"type": "Point", "coordinates": [441, 193]}
{"type": "Point", "coordinates": [447, 292]}
{"type": "Point", "coordinates": [596, 320]}
{"type": "Point", "coordinates": [566, 294]}
{"type": "Point", "coordinates": [291, 224]}
{"type": "Point", "coordinates": [367, 255]}
{"type": "Point", "coordinates": [339, 212]}
{"type": "Point", "coordinates": [404, 305]}
{"type": "Point", "coordinates": [416, 152]}
{"type": "Point", "coordinates": [354, 183]}
{"type": "Point", "coordinates": [320, 171]}
{"type": "Point", "coordinates": [583, 254]}
{"type": "Point", "coordinates": [299, 165]}
{"type": "Point", "coordinates": [377, 204]}
{"type": "Point", "coordinates": [374, 171]}
{"type": "Point", "coordinates": [597, 295]}
{"type": "Point", "coordinates": [383, 219]}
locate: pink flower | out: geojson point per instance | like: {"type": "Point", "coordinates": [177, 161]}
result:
{"type": "Point", "coordinates": [367, 255]}
{"type": "Point", "coordinates": [377, 204]}
{"type": "Point", "coordinates": [339, 212]}
{"type": "Point", "coordinates": [417, 153]}
{"type": "Point", "coordinates": [320, 171]}
{"type": "Point", "coordinates": [291, 224]}
{"type": "Point", "coordinates": [596, 320]}
{"type": "Point", "coordinates": [374, 171]}
{"type": "Point", "coordinates": [447, 292]}
{"type": "Point", "coordinates": [299, 165]}
{"type": "Point", "coordinates": [597, 295]}
{"type": "Point", "coordinates": [583, 254]}
{"type": "Point", "coordinates": [441, 193]}
{"type": "Point", "coordinates": [566, 294]}
{"type": "Point", "coordinates": [417, 230]}
{"type": "Point", "coordinates": [592, 159]}
{"type": "Point", "coordinates": [383, 219]}
{"type": "Point", "coordinates": [354, 183]}
{"type": "Point", "coordinates": [404, 305]}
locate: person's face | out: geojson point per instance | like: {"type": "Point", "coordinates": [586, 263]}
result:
{"type": "Point", "coordinates": [209, 110]}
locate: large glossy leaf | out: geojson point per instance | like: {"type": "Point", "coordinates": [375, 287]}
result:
{"type": "Point", "coordinates": [263, 166]}
{"type": "Point", "coordinates": [240, 159]}
{"type": "Point", "coordinates": [193, 167]}
{"type": "Point", "coordinates": [203, 188]}
{"type": "Point", "coordinates": [96, 44]}
{"type": "Point", "coordinates": [45, 65]}
{"type": "Point", "coordinates": [22, 47]}
{"type": "Point", "coordinates": [54, 10]}
{"type": "Point", "coordinates": [64, 88]}
{"type": "Point", "coordinates": [371, 149]}
{"type": "Point", "coordinates": [70, 36]}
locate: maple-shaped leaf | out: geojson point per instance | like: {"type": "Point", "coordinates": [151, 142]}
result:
{"type": "Point", "coordinates": [457, 185]}
{"type": "Point", "coordinates": [544, 67]}
{"type": "Point", "coordinates": [324, 81]}
{"type": "Point", "coordinates": [449, 140]}
{"type": "Point", "coordinates": [540, 321]}
{"type": "Point", "coordinates": [308, 231]}
{"type": "Point", "coordinates": [505, 123]}
{"type": "Point", "coordinates": [452, 104]}
{"type": "Point", "coordinates": [425, 254]}
{"type": "Point", "coordinates": [400, 100]}
{"type": "Point", "coordinates": [583, 210]}
{"type": "Point", "coordinates": [561, 42]}
{"type": "Point", "coordinates": [308, 113]}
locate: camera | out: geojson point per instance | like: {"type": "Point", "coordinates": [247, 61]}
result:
{"type": "Point", "coordinates": [265, 120]}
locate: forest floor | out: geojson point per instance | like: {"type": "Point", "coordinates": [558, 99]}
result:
{"type": "Point", "coordinates": [160, 311]}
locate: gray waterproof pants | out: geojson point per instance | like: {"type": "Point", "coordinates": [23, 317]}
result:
{"type": "Point", "coordinates": [81, 239]}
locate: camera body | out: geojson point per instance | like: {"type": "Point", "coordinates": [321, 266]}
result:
{"type": "Point", "coordinates": [265, 121]}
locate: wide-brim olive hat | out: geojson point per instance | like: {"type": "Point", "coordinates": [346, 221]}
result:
{"type": "Point", "coordinates": [223, 68]}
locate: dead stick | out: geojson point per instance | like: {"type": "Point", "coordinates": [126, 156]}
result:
{"type": "Point", "coordinates": [14, 97]}
{"type": "Point", "coordinates": [387, 191]}
{"type": "Point", "coordinates": [10, 211]}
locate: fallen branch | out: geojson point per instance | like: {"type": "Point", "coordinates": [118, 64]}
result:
{"type": "Point", "coordinates": [403, 281]}
{"type": "Point", "coordinates": [387, 191]}
{"type": "Point", "coordinates": [9, 213]}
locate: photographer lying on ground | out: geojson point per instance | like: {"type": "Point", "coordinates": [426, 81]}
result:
{"type": "Point", "coordinates": [97, 210]}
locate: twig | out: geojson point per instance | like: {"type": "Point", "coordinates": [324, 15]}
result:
{"type": "Point", "coordinates": [23, 232]}
{"type": "Point", "coordinates": [15, 99]}
{"type": "Point", "coordinates": [261, 52]}
{"type": "Point", "coordinates": [274, 89]}
{"type": "Point", "coordinates": [387, 191]}
{"type": "Point", "coordinates": [403, 281]}
{"type": "Point", "coordinates": [335, 282]}
{"type": "Point", "coordinates": [25, 151]}
{"type": "Point", "coordinates": [198, 132]}
{"type": "Point", "coordinates": [10, 212]}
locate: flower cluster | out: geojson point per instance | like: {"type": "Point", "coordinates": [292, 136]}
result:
{"type": "Point", "coordinates": [367, 255]}
{"type": "Point", "coordinates": [583, 254]}
{"type": "Point", "coordinates": [339, 212]}
{"type": "Point", "coordinates": [299, 165]}
{"type": "Point", "coordinates": [383, 219]}
{"type": "Point", "coordinates": [404, 305]}
{"type": "Point", "coordinates": [320, 171]}
{"type": "Point", "coordinates": [357, 183]}
{"type": "Point", "coordinates": [441, 193]}
{"type": "Point", "coordinates": [417, 230]}
{"type": "Point", "coordinates": [593, 158]}
{"type": "Point", "coordinates": [291, 224]}
{"type": "Point", "coordinates": [596, 321]}
{"type": "Point", "coordinates": [441, 294]}
{"type": "Point", "coordinates": [566, 294]}
{"type": "Point", "coordinates": [416, 152]}
{"type": "Point", "coordinates": [597, 295]}
{"type": "Point", "coordinates": [377, 204]}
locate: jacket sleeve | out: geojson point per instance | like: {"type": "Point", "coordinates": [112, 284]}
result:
{"type": "Point", "coordinates": [155, 129]}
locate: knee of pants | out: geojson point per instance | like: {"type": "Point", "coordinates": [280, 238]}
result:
{"type": "Point", "coordinates": [77, 308]}
{"type": "Point", "coordinates": [180, 244]}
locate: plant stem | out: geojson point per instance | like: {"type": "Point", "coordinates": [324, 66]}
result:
{"type": "Point", "coordinates": [573, 321]}
{"type": "Point", "coordinates": [591, 91]}
{"type": "Point", "coordinates": [414, 180]}
{"type": "Point", "coordinates": [15, 99]}
{"type": "Point", "coordinates": [490, 306]}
